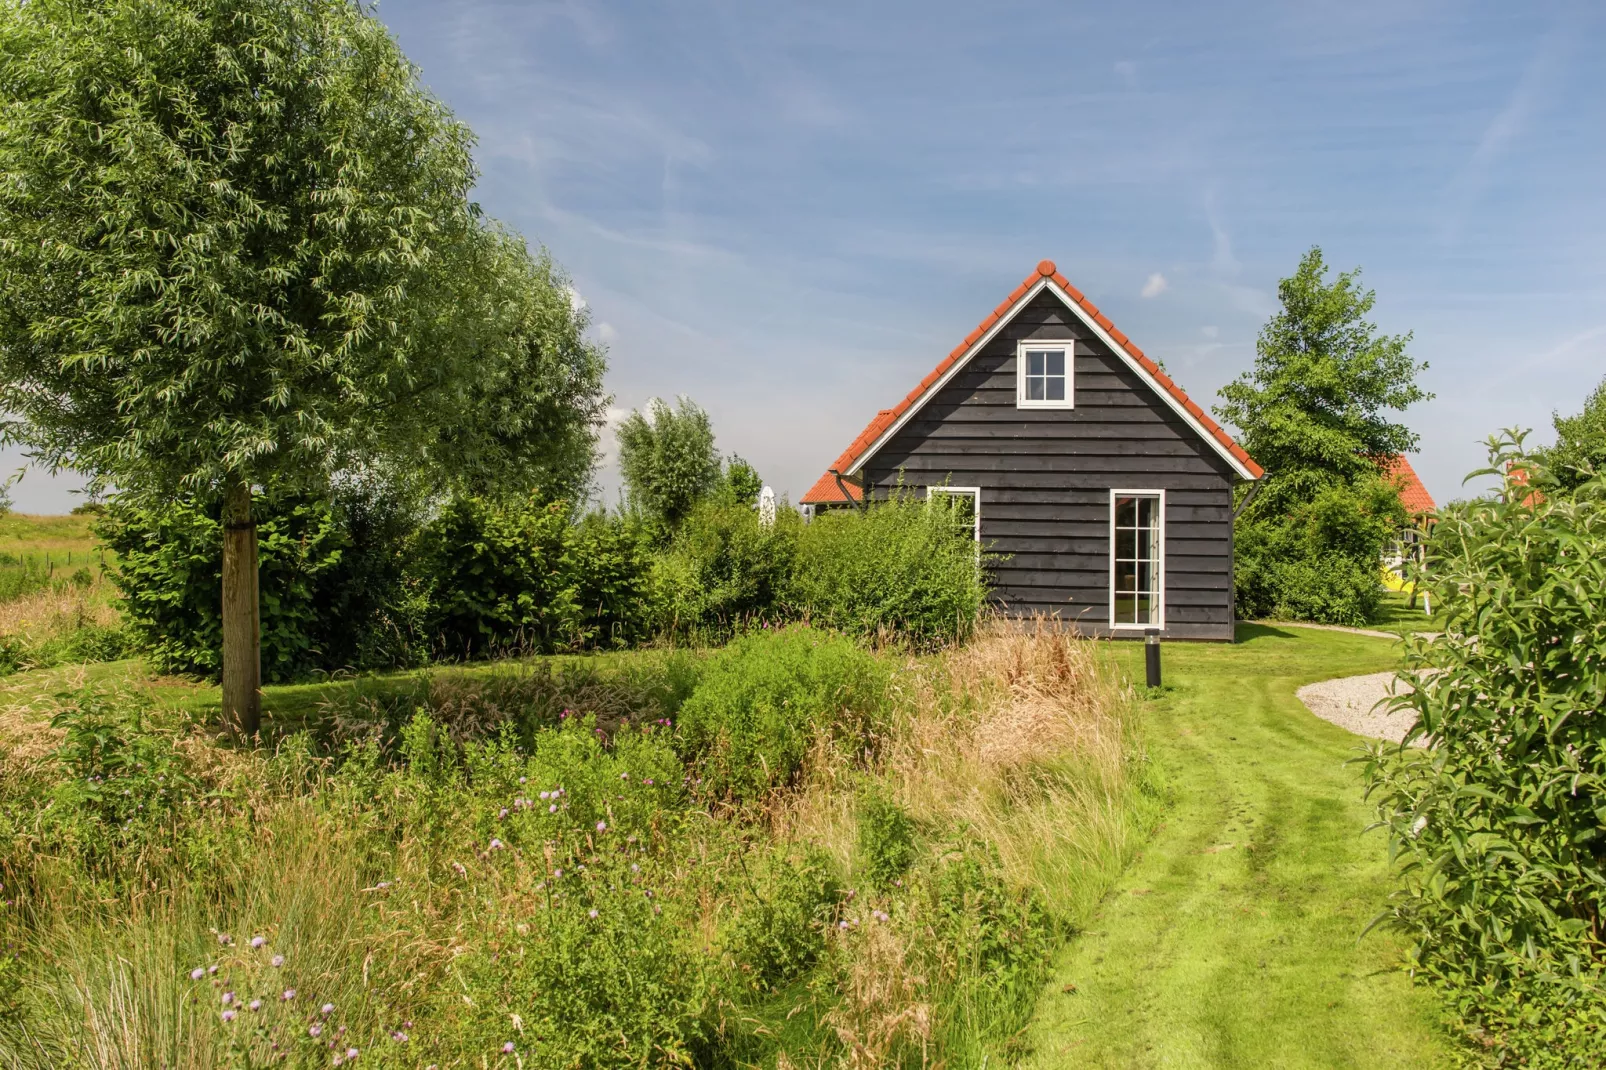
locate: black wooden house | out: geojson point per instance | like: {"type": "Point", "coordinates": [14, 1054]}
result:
{"type": "Point", "coordinates": [1105, 492]}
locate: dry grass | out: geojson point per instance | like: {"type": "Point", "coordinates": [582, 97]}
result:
{"type": "Point", "coordinates": [1024, 738]}
{"type": "Point", "coordinates": [60, 610]}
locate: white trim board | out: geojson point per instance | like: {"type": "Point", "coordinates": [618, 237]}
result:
{"type": "Point", "coordinates": [1159, 562]}
{"type": "Point", "coordinates": [1099, 332]}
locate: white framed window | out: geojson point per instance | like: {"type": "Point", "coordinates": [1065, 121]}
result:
{"type": "Point", "coordinates": [1137, 559]}
{"type": "Point", "coordinates": [966, 505]}
{"type": "Point", "coordinates": [1044, 376]}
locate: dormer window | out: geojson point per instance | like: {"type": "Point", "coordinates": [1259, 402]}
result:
{"type": "Point", "coordinates": [1043, 375]}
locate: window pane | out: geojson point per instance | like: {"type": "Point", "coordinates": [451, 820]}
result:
{"type": "Point", "coordinates": [1034, 363]}
{"type": "Point", "coordinates": [1148, 509]}
{"type": "Point", "coordinates": [1056, 362]}
{"type": "Point", "coordinates": [1034, 389]}
{"type": "Point", "coordinates": [1126, 544]}
{"type": "Point", "coordinates": [1143, 609]}
{"type": "Point", "coordinates": [1125, 513]}
{"type": "Point", "coordinates": [1056, 388]}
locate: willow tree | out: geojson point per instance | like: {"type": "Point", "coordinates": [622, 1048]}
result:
{"type": "Point", "coordinates": [237, 252]}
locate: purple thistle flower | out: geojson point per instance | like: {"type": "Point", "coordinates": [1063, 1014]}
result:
{"type": "Point", "coordinates": [258, 941]}
{"type": "Point", "coordinates": [223, 938]}
{"type": "Point", "coordinates": [624, 776]}
{"type": "Point", "coordinates": [277, 960]}
{"type": "Point", "coordinates": [552, 809]}
{"type": "Point", "coordinates": [289, 994]}
{"type": "Point", "coordinates": [496, 845]}
{"type": "Point", "coordinates": [211, 969]}
{"type": "Point", "coordinates": [593, 913]}
{"type": "Point", "coordinates": [557, 873]}
{"type": "Point", "coordinates": [351, 1053]}
{"type": "Point", "coordinates": [507, 1049]}
{"type": "Point", "coordinates": [228, 1016]}
{"type": "Point", "coordinates": [314, 1030]}
{"type": "Point", "coordinates": [545, 795]}
{"type": "Point", "coordinates": [524, 780]}
{"type": "Point", "coordinates": [228, 997]}
{"type": "Point", "coordinates": [256, 1004]}
{"type": "Point", "coordinates": [502, 814]}
{"type": "Point", "coordinates": [328, 1008]}
{"type": "Point", "coordinates": [197, 973]}
{"type": "Point", "coordinates": [399, 1037]}
{"type": "Point", "coordinates": [602, 826]}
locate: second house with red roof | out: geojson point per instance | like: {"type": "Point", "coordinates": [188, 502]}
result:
{"type": "Point", "coordinates": [1103, 493]}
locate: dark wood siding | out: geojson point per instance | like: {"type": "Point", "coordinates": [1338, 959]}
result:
{"type": "Point", "coordinates": [1046, 475]}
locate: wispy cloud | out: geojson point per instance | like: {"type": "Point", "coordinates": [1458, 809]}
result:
{"type": "Point", "coordinates": [1155, 285]}
{"type": "Point", "coordinates": [1503, 130]}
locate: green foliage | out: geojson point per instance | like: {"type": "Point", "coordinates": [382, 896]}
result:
{"type": "Point", "coordinates": [331, 576]}
{"type": "Point", "coordinates": [1580, 449]}
{"type": "Point", "coordinates": [1320, 560]}
{"type": "Point", "coordinates": [778, 937]}
{"type": "Point", "coordinates": [990, 948]}
{"type": "Point", "coordinates": [1315, 409]}
{"type": "Point", "coordinates": [741, 483]}
{"type": "Point", "coordinates": [723, 571]}
{"type": "Point", "coordinates": [667, 459]}
{"type": "Point", "coordinates": [766, 699]}
{"type": "Point", "coordinates": [501, 576]}
{"type": "Point", "coordinates": [886, 839]}
{"type": "Point", "coordinates": [901, 569]}
{"type": "Point", "coordinates": [1500, 822]}
{"type": "Point", "coordinates": [125, 786]}
{"type": "Point", "coordinates": [1315, 413]}
{"type": "Point", "coordinates": [243, 246]}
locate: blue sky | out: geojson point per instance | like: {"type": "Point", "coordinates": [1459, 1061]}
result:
{"type": "Point", "coordinates": [790, 212]}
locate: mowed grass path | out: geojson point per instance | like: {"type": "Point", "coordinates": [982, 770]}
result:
{"type": "Point", "coordinates": [1235, 939]}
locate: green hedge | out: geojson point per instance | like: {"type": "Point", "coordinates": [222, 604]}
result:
{"type": "Point", "coordinates": [1499, 824]}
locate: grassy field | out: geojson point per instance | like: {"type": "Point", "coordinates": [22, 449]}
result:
{"type": "Point", "coordinates": [1234, 941]}
{"type": "Point", "coordinates": [1396, 616]}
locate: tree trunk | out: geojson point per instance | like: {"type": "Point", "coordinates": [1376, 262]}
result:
{"type": "Point", "coordinates": [242, 628]}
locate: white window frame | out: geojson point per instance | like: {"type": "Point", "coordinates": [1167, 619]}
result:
{"type": "Point", "coordinates": [974, 492]}
{"type": "Point", "coordinates": [1159, 562]}
{"type": "Point", "coordinates": [1021, 347]}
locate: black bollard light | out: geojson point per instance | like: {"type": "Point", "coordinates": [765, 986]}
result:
{"type": "Point", "coordinates": [1151, 656]}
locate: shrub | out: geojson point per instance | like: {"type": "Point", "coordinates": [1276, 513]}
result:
{"type": "Point", "coordinates": [124, 788]}
{"type": "Point", "coordinates": [899, 569]}
{"type": "Point", "coordinates": [526, 576]}
{"type": "Point", "coordinates": [1321, 561]}
{"type": "Point", "coordinates": [330, 572]}
{"type": "Point", "coordinates": [886, 839]}
{"type": "Point", "coordinates": [724, 571]}
{"type": "Point", "coordinates": [763, 702]}
{"type": "Point", "coordinates": [1500, 822]}
{"type": "Point", "coordinates": [781, 933]}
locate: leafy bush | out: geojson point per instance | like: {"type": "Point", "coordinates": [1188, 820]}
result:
{"type": "Point", "coordinates": [781, 934]}
{"type": "Point", "coordinates": [1321, 560]}
{"type": "Point", "coordinates": [330, 573]}
{"type": "Point", "coordinates": [767, 698]}
{"type": "Point", "coordinates": [1500, 823]}
{"type": "Point", "coordinates": [526, 576]}
{"type": "Point", "coordinates": [125, 786]}
{"type": "Point", "coordinates": [886, 839]}
{"type": "Point", "coordinates": [724, 571]}
{"type": "Point", "coordinates": [900, 569]}
{"type": "Point", "coordinates": [990, 947]}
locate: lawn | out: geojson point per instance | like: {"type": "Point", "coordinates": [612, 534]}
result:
{"type": "Point", "coordinates": [1235, 939]}
{"type": "Point", "coordinates": [1395, 615]}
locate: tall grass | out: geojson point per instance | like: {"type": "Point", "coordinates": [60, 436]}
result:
{"type": "Point", "coordinates": [1023, 741]}
{"type": "Point", "coordinates": [1014, 758]}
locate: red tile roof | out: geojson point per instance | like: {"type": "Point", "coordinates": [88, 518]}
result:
{"type": "Point", "coordinates": [825, 489]}
{"type": "Point", "coordinates": [1413, 494]}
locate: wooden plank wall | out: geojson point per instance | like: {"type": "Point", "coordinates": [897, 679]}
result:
{"type": "Point", "coordinates": [1046, 476]}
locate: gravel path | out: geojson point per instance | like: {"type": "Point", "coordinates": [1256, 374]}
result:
{"type": "Point", "coordinates": [1359, 703]}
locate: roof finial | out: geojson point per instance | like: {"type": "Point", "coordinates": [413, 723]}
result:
{"type": "Point", "coordinates": [1046, 268]}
